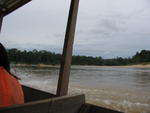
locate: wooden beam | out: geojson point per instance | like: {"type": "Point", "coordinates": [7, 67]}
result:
{"type": "Point", "coordinates": [64, 73]}
{"type": "Point", "coordinates": [15, 6]}
{"type": "Point", "coordinates": [8, 6]}
{"type": "Point", "coordinates": [1, 21]}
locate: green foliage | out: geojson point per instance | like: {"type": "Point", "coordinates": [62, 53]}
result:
{"type": "Point", "coordinates": [143, 56]}
{"type": "Point", "coordinates": [49, 58]}
{"type": "Point", "coordinates": [86, 60]}
{"type": "Point", "coordinates": [33, 57]}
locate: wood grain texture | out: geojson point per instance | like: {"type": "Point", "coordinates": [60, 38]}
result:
{"type": "Point", "coordinates": [64, 73]}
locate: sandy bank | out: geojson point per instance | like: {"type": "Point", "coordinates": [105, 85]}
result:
{"type": "Point", "coordinates": [137, 66]}
{"type": "Point", "coordinates": [126, 66]}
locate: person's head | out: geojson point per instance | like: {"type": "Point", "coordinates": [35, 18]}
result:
{"type": "Point", "coordinates": [4, 58]}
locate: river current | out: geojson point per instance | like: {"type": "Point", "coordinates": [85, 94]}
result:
{"type": "Point", "coordinates": [125, 89]}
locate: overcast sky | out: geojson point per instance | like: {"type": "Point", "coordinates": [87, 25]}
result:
{"type": "Point", "coordinates": [107, 28]}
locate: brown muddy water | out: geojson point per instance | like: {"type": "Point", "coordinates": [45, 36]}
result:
{"type": "Point", "coordinates": [125, 89]}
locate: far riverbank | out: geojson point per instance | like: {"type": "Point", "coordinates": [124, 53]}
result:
{"type": "Point", "coordinates": [127, 66]}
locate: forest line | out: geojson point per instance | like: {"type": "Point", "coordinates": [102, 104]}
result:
{"type": "Point", "coordinates": [50, 58]}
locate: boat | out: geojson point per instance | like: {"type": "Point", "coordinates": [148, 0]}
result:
{"type": "Point", "coordinates": [37, 101]}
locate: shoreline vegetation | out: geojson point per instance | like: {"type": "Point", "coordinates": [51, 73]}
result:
{"type": "Point", "coordinates": [57, 66]}
{"type": "Point", "coordinates": [47, 58]}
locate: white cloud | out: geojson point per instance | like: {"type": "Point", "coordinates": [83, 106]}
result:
{"type": "Point", "coordinates": [106, 28]}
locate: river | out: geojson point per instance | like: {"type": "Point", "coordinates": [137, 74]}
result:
{"type": "Point", "coordinates": [125, 89]}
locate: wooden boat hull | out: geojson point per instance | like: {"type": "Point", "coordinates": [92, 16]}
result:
{"type": "Point", "coordinates": [37, 101]}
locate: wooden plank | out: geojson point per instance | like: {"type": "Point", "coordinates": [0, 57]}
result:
{"type": "Point", "coordinates": [32, 94]}
{"type": "Point", "coordinates": [64, 73]}
{"type": "Point", "coordinates": [11, 5]}
{"type": "Point", "coordinates": [16, 6]}
{"type": "Point", "coordinates": [32, 107]}
{"type": "Point", "coordinates": [67, 104]}
{"type": "Point", "coordinates": [85, 108]}
{"type": "Point", "coordinates": [89, 108]}
{"type": "Point", "coordinates": [1, 21]}
{"type": "Point", "coordinates": [64, 104]}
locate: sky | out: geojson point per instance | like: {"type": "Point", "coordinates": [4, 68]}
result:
{"type": "Point", "coordinates": [106, 28]}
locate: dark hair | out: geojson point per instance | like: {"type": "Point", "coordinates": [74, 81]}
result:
{"type": "Point", "coordinates": [4, 58]}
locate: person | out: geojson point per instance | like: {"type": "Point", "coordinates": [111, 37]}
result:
{"type": "Point", "coordinates": [11, 92]}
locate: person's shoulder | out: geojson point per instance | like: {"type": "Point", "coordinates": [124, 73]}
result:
{"type": "Point", "coordinates": [2, 69]}
{"type": "Point", "coordinates": [3, 72]}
